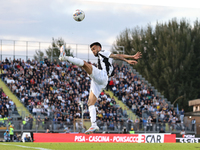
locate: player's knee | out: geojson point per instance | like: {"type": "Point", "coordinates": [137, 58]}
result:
{"type": "Point", "coordinates": [87, 67]}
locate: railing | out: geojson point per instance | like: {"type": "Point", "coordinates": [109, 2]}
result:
{"type": "Point", "coordinates": [63, 126]}
{"type": "Point", "coordinates": [15, 49]}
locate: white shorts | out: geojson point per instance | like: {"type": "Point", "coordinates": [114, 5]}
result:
{"type": "Point", "coordinates": [99, 81]}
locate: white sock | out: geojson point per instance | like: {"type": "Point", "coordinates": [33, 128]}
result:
{"type": "Point", "coordinates": [75, 61]}
{"type": "Point", "coordinates": [92, 111]}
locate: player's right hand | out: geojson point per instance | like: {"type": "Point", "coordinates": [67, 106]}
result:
{"type": "Point", "coordinates": [132, 62]}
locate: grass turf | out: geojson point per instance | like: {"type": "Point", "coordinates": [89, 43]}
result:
{"type": "Point", "coordinates": [100, 146]}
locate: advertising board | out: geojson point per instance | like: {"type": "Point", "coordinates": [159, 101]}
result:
{"type": "Point", "coordinates": [102, 138]}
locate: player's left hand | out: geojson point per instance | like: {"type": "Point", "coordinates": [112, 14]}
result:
{"type": "Point", "coordinates": [132, 62]}
{"type": "Point", "coordinates": [137, 56]}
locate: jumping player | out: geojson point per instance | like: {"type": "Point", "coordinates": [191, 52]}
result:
{"type": "Point", "coordinates": [99, 75]}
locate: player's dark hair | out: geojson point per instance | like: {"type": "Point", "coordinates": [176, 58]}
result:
{"type": "Point", "coordinates": [95, 43]}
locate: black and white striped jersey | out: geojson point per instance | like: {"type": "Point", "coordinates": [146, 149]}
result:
{"type": "Point", "coordinates": [105, 63]}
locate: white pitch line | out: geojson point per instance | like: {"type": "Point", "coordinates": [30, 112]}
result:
{"type": "Point", "coordinates": [26, 146]}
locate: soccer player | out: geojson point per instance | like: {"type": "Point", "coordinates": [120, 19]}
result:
{"type": "Point", "coordinates": [98, 75]}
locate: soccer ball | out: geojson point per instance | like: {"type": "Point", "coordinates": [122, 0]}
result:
{"type": "Point", "coordinates": [78, 15]}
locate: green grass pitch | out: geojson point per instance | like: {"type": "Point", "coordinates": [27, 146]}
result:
{"type": "Point", "coordinates": [100, 146]}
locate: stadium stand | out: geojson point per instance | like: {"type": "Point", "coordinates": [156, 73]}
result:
{"type": "Point", "coordinates": [52, 92]}
{"type": "Point", "coordinates": [153, 111]}
{"type": "Point", "coordinates": [7, 110]}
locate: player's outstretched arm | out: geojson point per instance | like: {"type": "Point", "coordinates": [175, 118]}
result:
{"type": "Point", "coordinates": [123, 57]}
{"type": "Point", "coordinates": [136, 56]}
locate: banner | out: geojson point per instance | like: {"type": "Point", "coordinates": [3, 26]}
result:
{"type": "Point", "coordinates": [188, 139]}
{"type": "Point", "coordinates": [102, 138]}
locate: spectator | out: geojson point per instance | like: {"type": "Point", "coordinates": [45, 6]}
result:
{"type": "Point", "coordinates": [27, 138]}
{"type": "Point", "coordinates": [34, 111]}
{"type": "Point", "coordinates": [30, 122]}
{"type": "Point", "coordinates": [124, 130]}
{"type": "Point", "coordinates": [61, 126]}
{"type": "Point", "coordinates": [67, 130]}
{"type": "Point", "coordinates": [101, 125]}
{"type": "Point", "coordinates": [144, 121]}
{"type": "Point", "coordinates": [55, 121]}
{"type": "Point", "coordinates": [137, 122]}
{"type": "Point", "coordinates": [16, 138]}
{"type": "Point", "coordinates": [141, 123]}
{"type": "Point", "coordinates": [193, 124]}
{"type": "Point", "coordinates": [149, 124]}
{"type": "Point", "coordinates": [46, 123]}
{"type": "Point", "coordinates": [111, 126]}
{"type": "Point", "coordinates": [78, 126]}
{"type": "Point", "coordinates": [182, 132]}
{"type": "Point", "coordinates": [39, 121]}
{"type": "Point", "coordinates": [161, 131]}
{"type": "Point", "coordinates": [132, 131]}
{"type": "Point", "coordinates": [11, 133]}
{"type": "Point", "coordinates": [182, 115]}
{"type": "Point", "coordinates": [111, 84]}
{"type": "Point", "coordinates": [125, 113]}
{"type": "Point", "coordinates": [129, 121]}
{"type": "Point", "coordinates": [134, 108]}
{"type": "Point", "coordinates": [7, 136]}
{"type": "Point", "coordinates": [26, 122]}
{"type": "Point", "coordinates": [47, 131]}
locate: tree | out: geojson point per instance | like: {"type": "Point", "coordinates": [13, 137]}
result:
{"type": "Point", "coordinates": [171, 56]}
{"type": "Point", "coordinates": [39, 55]}
{"type": "Point", "coordinates": [54, 50]}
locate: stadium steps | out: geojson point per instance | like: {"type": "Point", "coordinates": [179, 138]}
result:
{"type": "Point", "coordinates": [23, 112]}
{"type": "Point", "coordinates": [130, 114]}
{"type": "Point", "coordinates": [148, 84]}
{"type": "Point", "coordinates": [153, 88]}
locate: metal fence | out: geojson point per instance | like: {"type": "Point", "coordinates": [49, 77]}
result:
{"type": "Point", "coordinates": [76, 126]}
{"type": "Point", "coordinates": [16, 49]}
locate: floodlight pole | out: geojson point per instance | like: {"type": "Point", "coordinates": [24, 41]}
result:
{"type": "Point", "coordinates": [1, 50]}
{"type": "Point", "coordinates": [88, 53]}
{"type": "Point", "coordinates": [26, 50]}
{"type": "Point", "coordinates": [13, 50]}
{"type": "Point", "coordinates": [39, 50]}
{"type": "Point", "coordinates": [52, 54]}
{"type": "Point", "coordinates": [81, 103]}
{"type": "Point", "coordinates": [76, 50]}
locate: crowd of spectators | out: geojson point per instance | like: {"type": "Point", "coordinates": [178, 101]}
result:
{"type": "Point", "coordinates": [140, 98]}
{"type": "Point", "coordinates": [6, 106]}
{"type": "Point", "coordinates": [55, 89]}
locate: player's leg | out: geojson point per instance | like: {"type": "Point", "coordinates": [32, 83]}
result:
{"type": "Point", "coordinates": [92, 111]}
{"type": "Point", "coordinates": [79, 62]}
{"type": "Point", "coordinates": [92, 100]}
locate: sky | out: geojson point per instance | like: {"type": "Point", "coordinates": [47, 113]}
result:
{"type": "Point", "coordinates": [42, 20]}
